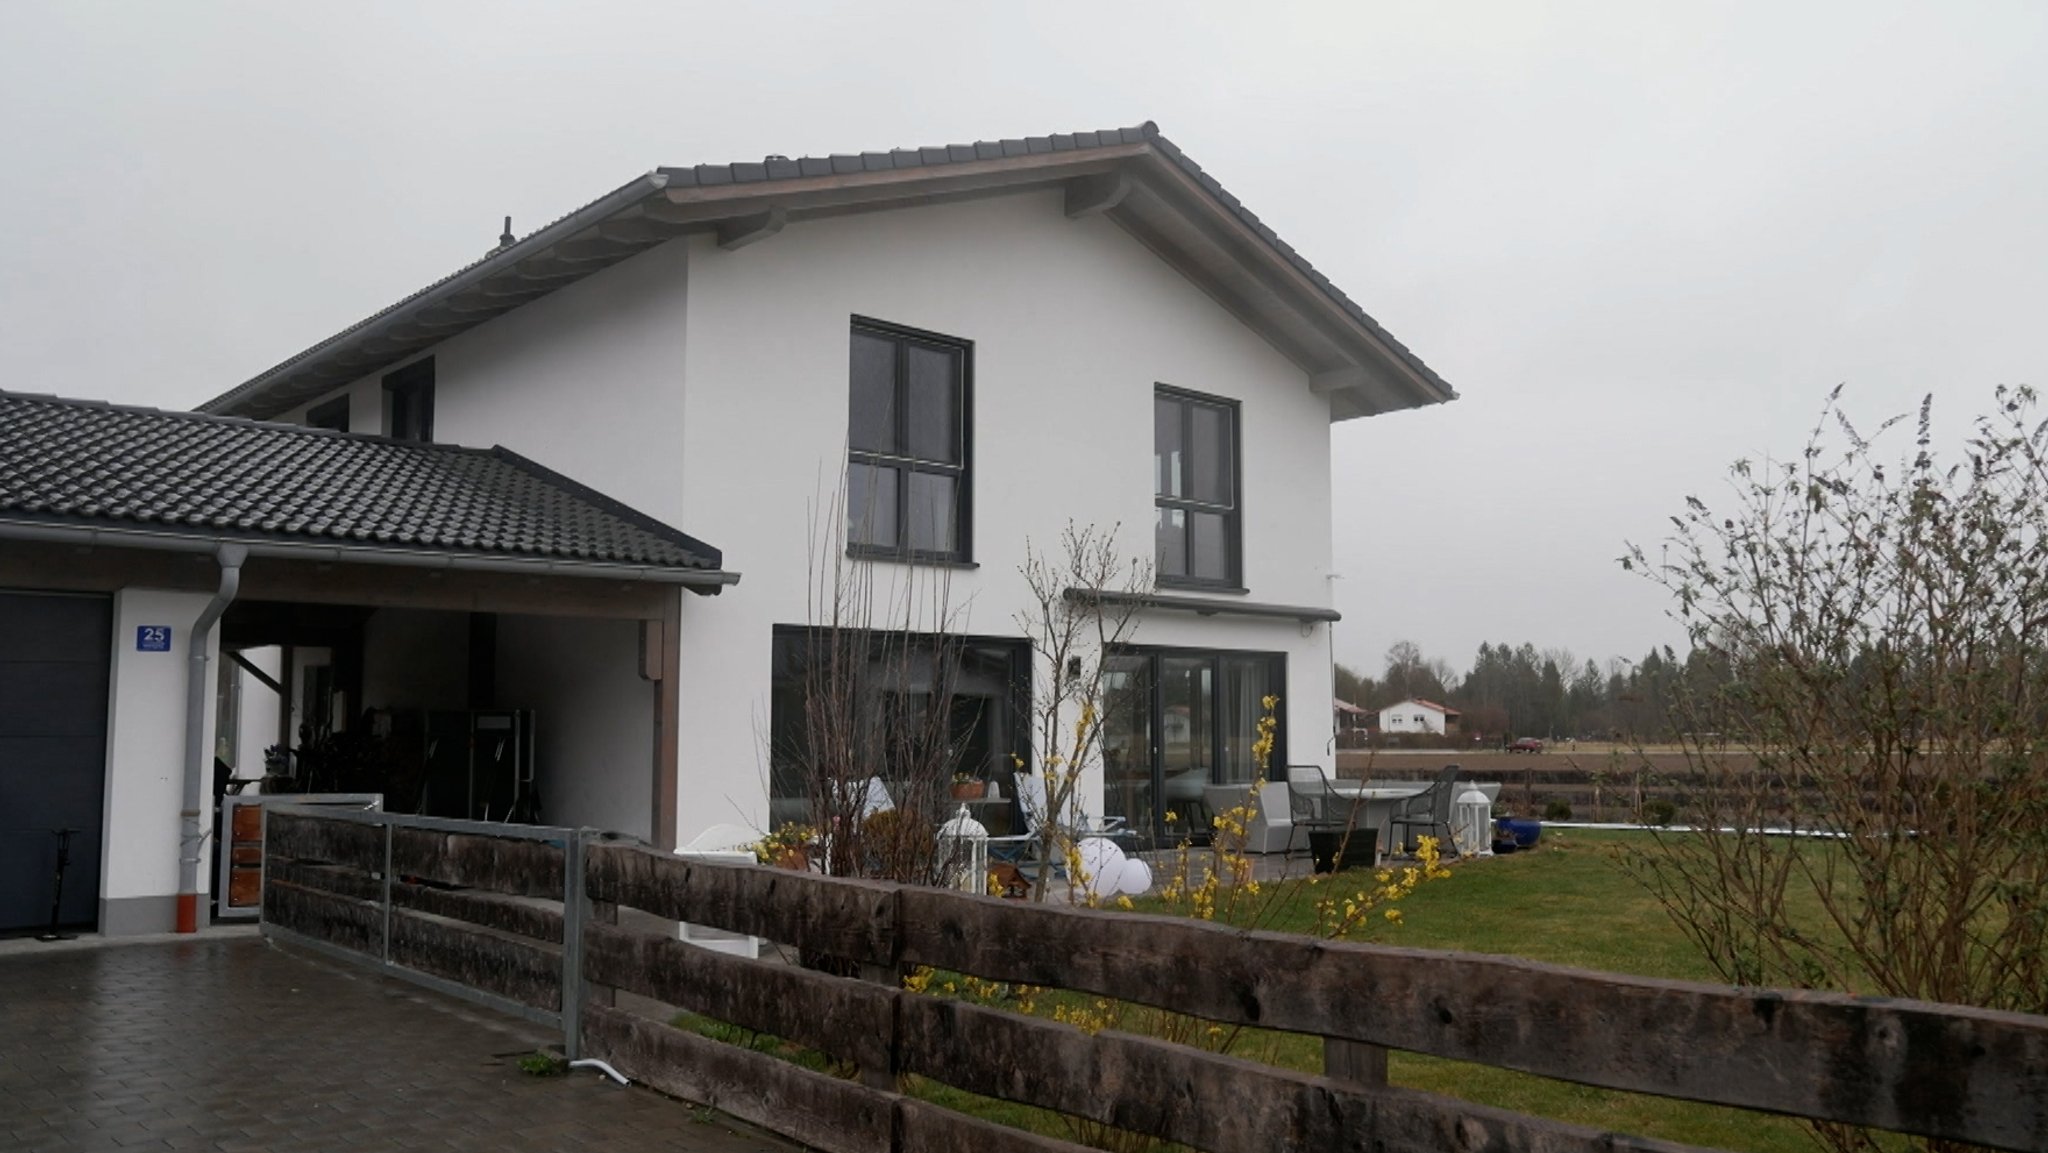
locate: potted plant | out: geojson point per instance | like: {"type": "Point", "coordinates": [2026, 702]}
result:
{"type": "Point", "coordinates": [968, 787]}
{"type": "Point", "coordinates": [788, 847]}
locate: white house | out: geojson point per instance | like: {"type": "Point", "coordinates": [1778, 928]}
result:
{"type": "Point", "coordinates": [914, 363]}
{"type": "Point", "coordinates": [1417, 716]}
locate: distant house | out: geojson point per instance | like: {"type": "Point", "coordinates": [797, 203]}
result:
{"type": "Point", "coordinates": [1415, 716]}
{"type": "Point", "coordinates": [1351, 718]}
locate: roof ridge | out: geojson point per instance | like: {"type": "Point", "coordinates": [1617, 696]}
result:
{"type": "Point", "coordinates": [768, 171]}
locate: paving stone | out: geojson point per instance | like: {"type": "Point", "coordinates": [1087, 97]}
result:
{"type": "Point", "coordinates": [233, 1044]}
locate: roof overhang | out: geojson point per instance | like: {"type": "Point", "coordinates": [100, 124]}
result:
{"type": "Point", "coordinates": [203, 542]}
{"type": "Point", "coordinates": [1135, 178]}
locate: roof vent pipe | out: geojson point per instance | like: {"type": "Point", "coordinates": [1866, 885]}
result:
{"type": "Point", "coordinates": [192, 834]}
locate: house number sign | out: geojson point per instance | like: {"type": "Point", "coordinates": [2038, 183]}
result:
{"type": "Point", "coordinates": [152, 638]}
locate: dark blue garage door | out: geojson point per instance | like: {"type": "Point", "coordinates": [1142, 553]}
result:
{"type": "Point", "coordinates": [53, 752]}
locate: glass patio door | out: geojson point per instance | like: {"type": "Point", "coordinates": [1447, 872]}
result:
{"type": "Point", "coordinates": [1177, 721]}
{"type": "Point", "coordinates": [1128, 745]}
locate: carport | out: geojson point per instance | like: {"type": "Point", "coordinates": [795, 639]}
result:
{"type": "Point", "coordinates": [424, 578]}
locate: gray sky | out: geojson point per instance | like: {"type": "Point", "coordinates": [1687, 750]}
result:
{"type": "Point", "coordinates": [1641, 240]}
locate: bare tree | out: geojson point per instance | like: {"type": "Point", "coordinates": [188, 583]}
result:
{"type": "Point", "coordinates": [877, 670]}
{"type": "Point", "coordinates": [1870, 641]}
{"type": "Point", "coordinates": [1083, 605]}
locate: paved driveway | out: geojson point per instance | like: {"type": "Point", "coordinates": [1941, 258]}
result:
{"type": "Point", "coordinates": [233, 1044]}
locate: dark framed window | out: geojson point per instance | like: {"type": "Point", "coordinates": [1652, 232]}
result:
{"type": "Point", "coordinates": [409, 402]}
{"type": "Point", "coordinates": [907, 470]}
{"type": "Point", "coordinates": [881, 698]}
{"type": "Point", "coordinates": [1195, 488]}
{"type": "Point", "coordinates": [332, 415]}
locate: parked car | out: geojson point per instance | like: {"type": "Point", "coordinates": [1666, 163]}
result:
{"type": "Point", "coordinates": [1526, 745]}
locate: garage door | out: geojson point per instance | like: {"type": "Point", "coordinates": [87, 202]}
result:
{"type": "Point", "coordinates": [53, 752]}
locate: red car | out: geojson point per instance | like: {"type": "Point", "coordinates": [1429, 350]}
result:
{"type": "Point", "coordinates": [1526, 745]}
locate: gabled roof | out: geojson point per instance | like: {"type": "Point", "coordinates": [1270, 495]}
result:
{"type": "Point", "coordinates": [1133, 176]}
{"type": "Point", "coordinates": [1444, 709]}
{"type": "Point", "coordinates": [72, 469]}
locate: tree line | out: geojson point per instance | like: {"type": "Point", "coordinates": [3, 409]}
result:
{"type": "Point", "coordinates": [1521, 690]}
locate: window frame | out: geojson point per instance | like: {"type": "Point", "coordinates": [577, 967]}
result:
{"type": "Point", "coordinates": [872, 680]}
{"type": "Point", "coordinates": [323, 414]}
{"type": "Point", "coordinates": [413, 383]}
{"type": "Point", "coordinates": [1233, 514]}
{"type": "Point", "coordinates": [962, 474]}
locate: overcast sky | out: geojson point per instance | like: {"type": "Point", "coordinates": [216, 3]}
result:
{"type": "Point", "coordinates": [1641, 240]}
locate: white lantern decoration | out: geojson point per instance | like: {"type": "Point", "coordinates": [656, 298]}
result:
{"type": "Point", "coordinates": [963, 852]}
{"type": "Point", "coordinates": [1472, 824]}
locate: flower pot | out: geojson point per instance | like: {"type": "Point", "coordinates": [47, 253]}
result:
{"type": "Point", "coordinates": [1524, 833]}
{"type": "Point", "coordinates": [1334, 850]}
{"type": "Point", "coordinates": [969, 790]}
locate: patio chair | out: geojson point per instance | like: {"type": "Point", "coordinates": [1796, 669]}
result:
{"type": "Point", "coordinates": [1310, 802]}
{"type": "Point", "coordinates": [1034, 808]}
{"type": "Point", "coordinates": [1272, 828]}
{"type": "Point", "coordinates": [1428, 810]}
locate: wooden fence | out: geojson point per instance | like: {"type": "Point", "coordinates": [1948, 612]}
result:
{"type": "Point", "coordinates": [1961, 1074]}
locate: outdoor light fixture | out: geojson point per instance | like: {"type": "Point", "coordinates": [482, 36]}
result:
{"type": "Point", "coordinates": [1472, 824]}
{"type": "Point", "coordinates": [963, 846]}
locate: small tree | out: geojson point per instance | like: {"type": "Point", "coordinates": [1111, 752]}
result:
{"type": "Point", "coordinates": [1871, 638]}
{"type": "Point", "coordinates": [1083, 604]}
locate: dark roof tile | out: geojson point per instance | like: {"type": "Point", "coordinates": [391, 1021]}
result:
{"type": "Point", "coordinates": [91, 464]}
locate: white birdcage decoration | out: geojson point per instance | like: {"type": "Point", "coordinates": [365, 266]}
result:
{"type": "Point", "coordinates": [1472, 824]}
{"type": "Point", "coordinates": [963, 853]}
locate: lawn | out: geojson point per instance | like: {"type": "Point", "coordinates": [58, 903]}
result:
{"type": "Point", "coordinates": [1569, 903]}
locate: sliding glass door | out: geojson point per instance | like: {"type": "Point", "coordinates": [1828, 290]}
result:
{"type": "Point", "coordinates": [1177, 721]}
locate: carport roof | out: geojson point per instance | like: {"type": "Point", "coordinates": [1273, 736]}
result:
{"type": "Point", "coordinates": [88, 470]}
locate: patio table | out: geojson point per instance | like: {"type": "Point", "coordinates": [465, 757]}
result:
{"type": "Point", "coordinates": [1377, 804]}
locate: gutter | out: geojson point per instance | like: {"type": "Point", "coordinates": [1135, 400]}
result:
{"type": "Point", "coordinates": [708, 582]}
{"type": "Point", "coordinates": [596, 212]}
{"type": "Point", "coordinates": [193, 830]}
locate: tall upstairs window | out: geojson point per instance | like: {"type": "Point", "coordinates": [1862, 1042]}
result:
{"type": "Point", "coordinates": [1195, 490]}
{"type": "Point", "coordinates": [409, 402]}
{"type": "Point", "coordinates": [907, 468]}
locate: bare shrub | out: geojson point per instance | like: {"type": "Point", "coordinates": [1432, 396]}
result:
{"type": "Point", "coordinates": [1870, 639]}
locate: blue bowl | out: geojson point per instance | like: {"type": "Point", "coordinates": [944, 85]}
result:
{"type": "Point", "coordinates": [1523, 833]}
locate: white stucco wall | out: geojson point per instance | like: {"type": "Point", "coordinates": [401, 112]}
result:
{"type": "Point", "coordinates": [145, 763]}
{"type": "Point", "coordinates": [1409, 717]}
{"type": "Point", "coordinates": [593, 717]}
{"type": "Point", "coordinates": [709, 389]}
{"type": "Point", "coordinates": [1073, 324]}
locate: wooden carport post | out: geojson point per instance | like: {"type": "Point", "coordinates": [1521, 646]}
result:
{"type": "Point", "coordinates": [661, 661]}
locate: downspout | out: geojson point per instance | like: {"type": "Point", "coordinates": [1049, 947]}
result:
{"type": "Point", "coordinates": [197, 686]}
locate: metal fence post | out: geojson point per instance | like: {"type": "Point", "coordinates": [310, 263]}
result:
{"type": "Point", "coordinates": [575, 903]}
{"type": "Point", "coordinates": [389, 833]}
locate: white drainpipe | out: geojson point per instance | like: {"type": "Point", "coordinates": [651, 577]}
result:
{"type": "Point", "coordinates": [197, 692]}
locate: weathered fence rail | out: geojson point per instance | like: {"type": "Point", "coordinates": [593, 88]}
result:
{"type": "Point", "coordinates": [471, 909]}
{"type": "Point", "coordinates": [1960, 1074]}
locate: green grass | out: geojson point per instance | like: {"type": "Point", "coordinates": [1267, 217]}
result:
{"type": "Point", "coordinates": [1570, 903]}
